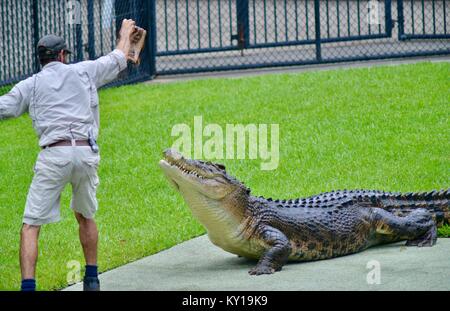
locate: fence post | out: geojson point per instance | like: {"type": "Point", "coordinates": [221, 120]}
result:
{"type": "Point", "coordinates": [242, 23]}
{"type": "Point", "coordinates": [35, 13]}
{"type": "Point", "coordinates": [91, 30]}
{"type": "Point", "coordinates": [388, 18]}
{"type": "Point", "coordinates": [151, 40]}
{"type": "Point", "coordinates": [79, 42]}
{"type": "Point", "coordinates": [400, 19]}
{"type": "Point", "coordinates": [317, 27]}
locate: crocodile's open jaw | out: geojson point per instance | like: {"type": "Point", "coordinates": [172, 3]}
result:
{"type": "Point", "coordinates": [208, 178]}
{"type": "Point", "coordinates": [216, 199]}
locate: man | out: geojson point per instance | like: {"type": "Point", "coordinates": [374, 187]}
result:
{"type": "Point", "coordinates": [62, 102]}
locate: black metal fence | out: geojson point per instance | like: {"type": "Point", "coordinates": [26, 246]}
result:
{"type": "Point", "coordinates": [90, 28]}
{"type": "Point", "coordinates": [195, 36]}
{"type": "Point", "coordinates": [188, 36]}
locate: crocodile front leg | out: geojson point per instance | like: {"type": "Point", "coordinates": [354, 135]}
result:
{"type": "Point", "coordinates": [276, 256]}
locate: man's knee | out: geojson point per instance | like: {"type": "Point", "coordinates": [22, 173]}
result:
{"type": "Point", "coordinates": [30, 228]}
{"type": "Point", "coordinates": [83, 221]}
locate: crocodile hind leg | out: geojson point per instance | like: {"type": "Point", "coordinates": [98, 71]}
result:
{"type": "Point", "coordinates": [418, 228]}
{"type": "Point", "coordinates": [428, 239]}
{"type": "Point", "coordinates": [276, 255]}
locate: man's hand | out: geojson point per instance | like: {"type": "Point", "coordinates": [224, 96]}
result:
{"type": "Point", "coordinates": [124, 39]}
{"type": "Point", "coordinates": [131, 40]}
{"type": "Point", "coordinates": [137, 45]}
{"type": "Point", "coordinates": [128, 28]}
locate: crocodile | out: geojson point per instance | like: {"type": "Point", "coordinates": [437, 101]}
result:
{"type": "Point", "coordinates": [322, 226]}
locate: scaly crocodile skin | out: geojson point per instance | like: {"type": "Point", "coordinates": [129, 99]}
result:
{"type": "Point", "coordinates": [323, 226]}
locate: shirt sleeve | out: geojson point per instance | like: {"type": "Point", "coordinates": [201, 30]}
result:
{"type": "Point", "coordinates": [106, 68]}
{"type": "Point", "coordinates": [17, 101]}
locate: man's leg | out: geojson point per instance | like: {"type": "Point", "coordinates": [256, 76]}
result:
{"type": "Point", "coordinates": [28, 255]}
{"type": "Point", "coordinates": [51, 172]}
{"type": "Point", "coordinates": [89, 239]}
{"type": "Point", "coordinates": [84, 204]}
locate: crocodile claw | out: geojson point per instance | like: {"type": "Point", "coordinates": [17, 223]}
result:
{"type": "Point", "coordinates": [259, 270]}
{"type": "Point", "coordinates": [428, 239]}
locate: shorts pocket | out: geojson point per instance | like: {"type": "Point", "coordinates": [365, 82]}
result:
{"type": "Point", "coordinates": [91, 166]}
{"type": "Point", "coordinates": [92, 162]}
{"type": "Point", "coordinates": [60, 162]}
{"type": "Point", "coordinates": [48, 163]}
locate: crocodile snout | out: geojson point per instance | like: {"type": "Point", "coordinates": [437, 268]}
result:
{"type": "Point", "coordinates": [172, 155]}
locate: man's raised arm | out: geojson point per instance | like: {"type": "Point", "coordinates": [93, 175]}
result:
{"type": "Point", "coordinates": [107, 68]}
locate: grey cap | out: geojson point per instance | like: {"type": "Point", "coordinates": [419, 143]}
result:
{"type": "Point", "coordinates": [53, 43]}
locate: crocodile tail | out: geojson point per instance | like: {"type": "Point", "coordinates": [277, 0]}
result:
{"type": "Point", "coordinates": [436, 202]}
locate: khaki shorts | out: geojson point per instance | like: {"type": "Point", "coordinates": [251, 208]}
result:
{"type": "Point", "coordinates": [54, 169]}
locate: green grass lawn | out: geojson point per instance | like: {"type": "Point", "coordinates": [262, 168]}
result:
{"type": "Point", "coordinates": [378, 128]}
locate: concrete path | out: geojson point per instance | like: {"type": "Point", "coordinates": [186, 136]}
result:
{"type": "Point", "coordinates": [199, 265]}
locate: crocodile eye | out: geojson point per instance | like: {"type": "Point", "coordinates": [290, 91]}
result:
{"type": "Point", "coordinates": [220, 166]}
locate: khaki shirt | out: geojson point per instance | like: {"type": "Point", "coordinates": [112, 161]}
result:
{"type": "Point", "coordinates": [62, 99]}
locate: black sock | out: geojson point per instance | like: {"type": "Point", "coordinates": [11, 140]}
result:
{"type": "Point", "coordinates": [91, 271]}
{"type": "Point", "coordinates": [28, 285]}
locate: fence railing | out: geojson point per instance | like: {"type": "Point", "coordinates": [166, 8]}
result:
{"type": "Point", "coordinates": [204, 35]}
